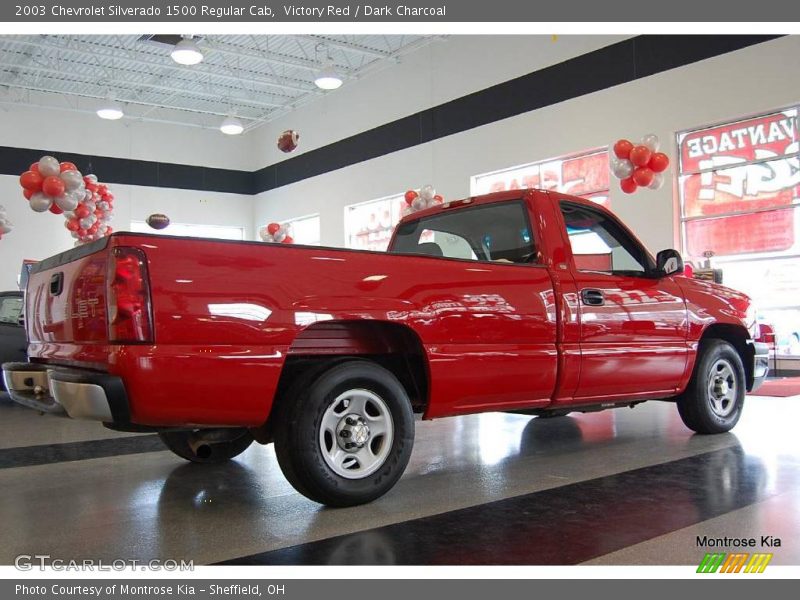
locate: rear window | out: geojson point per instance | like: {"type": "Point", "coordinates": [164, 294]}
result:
{"type": "Point", "coordinates": [495, 232]}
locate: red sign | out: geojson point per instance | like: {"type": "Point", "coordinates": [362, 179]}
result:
{"type": "Point", "coordinates": [585, 176]}
{"type": "Point", "coordinates": [728, 184]}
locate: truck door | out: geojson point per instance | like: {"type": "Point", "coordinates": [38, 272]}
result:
{"type": "Point", "coordinates": [633, 324]}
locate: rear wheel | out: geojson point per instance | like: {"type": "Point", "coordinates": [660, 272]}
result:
{"type": "Point", "coordinates": [714, 398]}
{"type": "Point", "coordinates": [345, 438]}
{"type": "Point", "coordinates": [207, 445]}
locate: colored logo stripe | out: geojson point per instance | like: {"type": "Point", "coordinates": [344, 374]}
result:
{"type": "Point", "coordinates": [733, 563]}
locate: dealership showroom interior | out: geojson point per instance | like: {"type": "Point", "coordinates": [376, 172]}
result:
{"type": "Point", "coordinates": [345, 299]}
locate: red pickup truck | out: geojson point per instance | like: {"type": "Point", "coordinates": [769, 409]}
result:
{"type": "Point", "coordinates": [527, 301]}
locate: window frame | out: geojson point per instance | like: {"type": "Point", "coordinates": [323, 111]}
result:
{"type": "Point", "coordinates": [535, 242]}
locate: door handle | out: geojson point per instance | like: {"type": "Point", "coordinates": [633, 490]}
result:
{"type": "Point", "coordinates": [592, 297]}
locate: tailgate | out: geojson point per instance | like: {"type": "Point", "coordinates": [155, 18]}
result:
{"type": "Point", "coordinates": [66, 296]}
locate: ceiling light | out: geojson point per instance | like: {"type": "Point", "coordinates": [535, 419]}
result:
{"type": "Point", "coordinates": [328, 79]}
{"type": "Point", "coordinates": [231, 126]}
{"type": "Point", "coordinates": [110, 110]}
{"type": "Point", "coordinates": [186, 52]}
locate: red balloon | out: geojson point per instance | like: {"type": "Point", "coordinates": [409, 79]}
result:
{"type": "Point", "coordinates": [102, 189]}
{"type": "Point", "coordinates": [438, 198]}
{"type": "Point", "coordinates": [659, 162]}
{"type": "Point", "coordinates": [68, 166]}
{"type": "Point", "coordinates": [73, 225]}
{"type": "Point", "coordinates": [31, 180]}
{"type": "Point", "coordinates": [81, 233]}
{"type": "Point", "coordinates": [622, 148]}
{"type": "Point", "coordinates": [53, 186]}
{"type": "Point", "coordinates": [34, 167]}
{"type": "Point", "coordinates": [55, 209]}
{"type": "Point", "coordinates": [273, 228]}
{"type": "Point", "coordinates": [410, 196]}
{"type": "Point", "coordinates": [109, 231]}
{"type": "Point", "coordinates": [93, 229]}
{"type": "Point", "coordinates": [288, 240]}
{"type": "Point", "coordinates": [109, 197]}
{"type": "Point", "coordinates": [640, 156]}
{"type": "Point", "coordinates": [82, 211]}
{"type": "Point", "coordinates": [628, 185]}
{"type": "Point", "coordinates": [643, 176]}
{"type": "Point", "coordinates": [27, 193]}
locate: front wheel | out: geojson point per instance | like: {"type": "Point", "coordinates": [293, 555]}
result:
{"type": "Point", "coordinates": [714, 398]}
{"type": "Point", "coordinates": [345, 438]}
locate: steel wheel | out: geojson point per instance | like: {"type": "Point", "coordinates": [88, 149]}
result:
{"type": "Point", "coordinates": [356, 433]}
{"type": "Point", "coordinates": [722, 388]}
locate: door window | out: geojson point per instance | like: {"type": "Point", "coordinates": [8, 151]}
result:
{"type": "Point", "coordinates": [599, 243]}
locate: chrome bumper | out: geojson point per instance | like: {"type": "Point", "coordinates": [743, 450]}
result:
{"type": "Point", "coordinates": [78, 393]}
{"type": "Point", "coordinates": [760, 364]}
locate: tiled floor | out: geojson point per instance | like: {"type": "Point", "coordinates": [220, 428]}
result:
{"type": "Point", "coordinates": [617, 487]}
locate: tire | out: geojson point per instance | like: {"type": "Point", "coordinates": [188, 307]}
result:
{"type": "Point", "coordinates": [714, 398]}
{"type": "Point", "coordinates": [192, 446]}
{"type": "Point", "coordinates": [345, 404]}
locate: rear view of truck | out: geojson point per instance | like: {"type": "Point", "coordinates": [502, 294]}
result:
{"type": "Point", "coordinates": [81, 307]}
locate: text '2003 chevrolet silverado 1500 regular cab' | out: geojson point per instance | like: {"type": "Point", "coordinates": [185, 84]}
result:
{"type": "Point", "coordinates": [524, 301]}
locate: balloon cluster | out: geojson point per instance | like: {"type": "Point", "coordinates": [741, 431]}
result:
{"type": "Point", "coordinates": [275, 232]}
{"type": "Point", "coordinates": [5, 222]}
{"type": "Point", "coordinates": [60, 188]}
{"type": "Point", "coordinates": [425, 198]}
{"type": "Point", "coordinates": [639, 165]}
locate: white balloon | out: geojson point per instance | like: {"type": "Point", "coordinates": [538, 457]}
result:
{"type": "Point", "coordinates": [68, 214]}
{"type": "Point", "coordinates": [651, 141]}
{"type": "Point", "coordinates": [658, 181]}
{"type": "Point", "coordinates": [92, 177]}
{"type": "Point", "coordinates": [87, 195]}
{"type": "Point", "coordinates": [427, 193]}
{"type": "Point", "coordinates": [262, 233]}
{"type": "Point", "coordinates": [622, 168]}
{"type": "Point", "coordinates": [418, 203]}
{"type": "Point", "coordinates": [49, 166]}
{"type": "Point", "coordinates": [279, 236]}
{"type": "Point", "coordinates": [39, 202]}
{"type": "Point", "coordinates": [67, 202]}
{"type": "Point", "coordinates": [72, 180]}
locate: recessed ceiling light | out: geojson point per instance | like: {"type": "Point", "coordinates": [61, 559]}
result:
{"type": "Point", "coordinates": [328, 79]}
{"type": "Point", "coordinates": [186, 52]}
{"type": "Point", "coordinates": [111, 110]}
{"type": "Point", "coordinates": [231, 126]}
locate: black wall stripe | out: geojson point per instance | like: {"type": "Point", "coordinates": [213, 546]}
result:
{"type": "Point", "coordinates": [566, 525]}
{"type": "Point", "coordinates": [613, 65]}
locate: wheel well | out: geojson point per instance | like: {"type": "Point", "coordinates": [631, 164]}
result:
{"type": "Point", "coordinates": [395, 347]}
{"type": "Point", "coordinates": [738, 337]}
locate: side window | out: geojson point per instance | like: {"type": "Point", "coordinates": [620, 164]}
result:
{"type": "Point", "coordinates": [494, 233]}
{"type": "Point", "coordinates": [600, 244]}
{"type": "Point", "coordinates": [10, 309]}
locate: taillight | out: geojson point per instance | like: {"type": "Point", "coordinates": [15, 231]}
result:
{"type": "Point", "coordinates": [130, 316]}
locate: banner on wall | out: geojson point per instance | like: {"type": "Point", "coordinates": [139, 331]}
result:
{"type": "Point", "coordinates": [585, 175]}
{"type": "Point", "coordinates": [742, 167]}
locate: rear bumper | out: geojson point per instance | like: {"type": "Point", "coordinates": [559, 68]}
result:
{"type": "Point", "coordinates": [78, 393]}
{"type": "Point", "coordinates": [760, 364]}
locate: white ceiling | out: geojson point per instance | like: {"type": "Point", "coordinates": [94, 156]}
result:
{"type": "Point", "coordinates": [257, 78]}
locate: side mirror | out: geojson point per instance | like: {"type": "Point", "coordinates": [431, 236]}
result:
{"type": "Point", "coordinates": [669, 262]}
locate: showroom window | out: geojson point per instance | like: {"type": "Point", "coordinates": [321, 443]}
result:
{"type": "Point", "coordinates": [223, 232]}
{"type": "Point", "coordinates": [369, 225]}
{"type": "Point", "coordinates": [584, 175]}
{"type": "Point", "coordinates": [739, 196]}
{"type": "Point", "coordinates": [305, 230]}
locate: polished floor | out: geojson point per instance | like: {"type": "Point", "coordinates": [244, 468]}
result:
{"type": "Point", "coordinates": [625, 486]}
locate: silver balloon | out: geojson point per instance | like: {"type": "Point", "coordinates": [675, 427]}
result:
{"type": "Point", "coordinates": [49, 167]}
{"type": "Point", "coordinates": [651, 141]}
{"type": "Point", "coordinates": [87, 194]}
{"type": "Point", "coordinates": [418, 203]}
{"type": "Point", "coordinates": [91, 177]}
{"type": "Point", "coordinates": [427, 193]}
{"type": "Point", "coordinates": [622, 168]}
{"type": "Point", "coordinates": [67, 201]}
{"type": "Point", "coordinates": [279, 235]}
{"type": "Point", "coordinates": [658, 181]}
{"type": "Point", "coordinates": [72, 180]}
{"type": "Point", "coordinates": [39, 202]}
